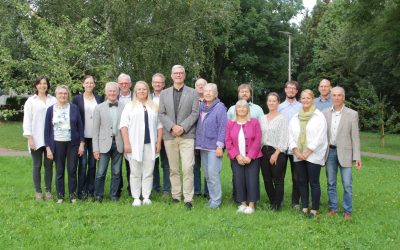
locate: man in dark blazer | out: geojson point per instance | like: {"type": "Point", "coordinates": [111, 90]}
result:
{"type": "Point", "coordinates": [178, 113]}
{"type": "Point", "coordinates": [344, 148]}
{"type": "Point", "coordinates": [86, 164]}
{"type": "Point", "coordinates": [107, 142]}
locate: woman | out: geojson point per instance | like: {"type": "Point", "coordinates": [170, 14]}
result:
{"type": "Point", "coordinates": [141, 133]}
{"type": "Point", "coordinates": [308, 142]}
{"type": "Point", "coordinates": [210, 137]}
{"type": "Point", "coordinates": [63, 136]}
{"type": "Point", "coordinates": [86, 103]}
{"type": "Point", "coordinates": [274, 129]}
{"type": "Point", "coordinates": [243, 143]}
{"type": "Point", "coordinates": [34, 118]}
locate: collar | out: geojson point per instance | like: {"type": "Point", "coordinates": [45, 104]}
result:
{"type": "Point", "coordinates": [126, 96]}
{"type": "Point", "coordinates": [178, 90]}
{"type": "Point", "coordinates": [340, 111]}
{"type": "Point", "coordinates": [327, 99]}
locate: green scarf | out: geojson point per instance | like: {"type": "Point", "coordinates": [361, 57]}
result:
{"type": "Point", "coordinates": [304, 117]}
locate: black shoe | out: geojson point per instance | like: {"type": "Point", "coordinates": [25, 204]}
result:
{"type": "Point", "coordinates": [188, 205]}
{"type": "Point", "coordinates": [197, 195]}
{"type": "Point", "coordinates": [175, 201]}
{"type": "Point", "coordinates": [98, 199]}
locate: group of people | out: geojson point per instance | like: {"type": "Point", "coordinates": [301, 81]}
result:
{"type": "Point", "coordinates": [182, 126]}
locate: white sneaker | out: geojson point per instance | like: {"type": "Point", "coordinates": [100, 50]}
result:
{"type": "Point", "coordinates": [136, 203]}
{"type": "Point", "coordinates": [146, 202]}
{"type": "Point", "coordinates": [48, 196]}
{"type": "Point", "coordinates": [249, 210]}
{"type": "Point", "coordinates": [241, 209]}
{"type": "Point", "coordinates": [60, 201]}
{"type": "Point", "coordinates": [73, 201]}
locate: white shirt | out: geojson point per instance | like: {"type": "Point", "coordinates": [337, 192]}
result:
{"type": "Point", "coordinates": [275, 132]}
{"type": "Point", "coordinates": [61, 123]}
{"type": "Point", "coordinates": [316, 134]}
{"type": "Point", "coordinates": [242, 141]}
{"type": "Point", "coordinates": [89, 105]}
{"type": "Point", "coordinates": [34, 118]}
{"type": "Point", "coordinates": [156, 99]}
{"type": "Point", "coordinates": [132, 117]}
{"type": "Point", "coordinates": [336, 116]}
{"type": "Point", "coordinates": [123, 100]}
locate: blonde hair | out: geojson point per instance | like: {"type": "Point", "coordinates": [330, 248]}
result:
{"type": "Point", "coordinates": [149, 101]}
{"type": "Point", "coordinates": [307, 91]}
{"type": "Point", "coordinates": [62, 86]}
{"type": "Point", "coordinates": [242, 103]}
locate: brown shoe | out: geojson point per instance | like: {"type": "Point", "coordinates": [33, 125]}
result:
{"type": "Point", "coordinates": [332, 213]}
{"type": "Point", "coordinates": [347, 216]}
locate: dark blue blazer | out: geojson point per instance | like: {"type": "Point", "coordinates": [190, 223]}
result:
{"type": "Point", "coordinates": [75, 123]}
{"type": "Point", "coordinates": [78, 101]}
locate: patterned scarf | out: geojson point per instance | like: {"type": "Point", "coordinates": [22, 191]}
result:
{"type": "Point", "coordinates": [304, 117]}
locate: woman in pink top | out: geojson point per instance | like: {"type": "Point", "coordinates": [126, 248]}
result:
{"type": "Point", "coordinates": [243, 143]}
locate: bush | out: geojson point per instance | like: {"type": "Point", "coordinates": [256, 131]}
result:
{"type": "Point", "coordinates": [14, 109]}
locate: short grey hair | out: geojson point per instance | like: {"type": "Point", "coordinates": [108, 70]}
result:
{"type": "Point", "coordinates": [178, 67]}
{"type": "Point", "coordinates": [200, 81]}
{"type": "Point", "coordinates": [158, 75]}
{"type": "Point", "coordinates": [213, 87]}
{"type": "Point", "coordinates": [62, 86]}
{"type": "Point", "coordinates": [124, 76]}
{"type": "Point", "coordinates": [111, 84]}
{"type": "Point", "coordinates": [339, 89]}
{"type": "Point", "coordinates": [242, 102]}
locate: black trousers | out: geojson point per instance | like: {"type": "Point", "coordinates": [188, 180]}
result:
{"type": "Point", "coordinates": [295, 181]}
{"type": "Point", "coordinates": [246, 181]}
{"type": "Point", "coordinates": [309, 178]}
{"type": "Point", "coordinates": [121, 183]}
{"type": "Point", "coordinates": [66, 152]}
{"type": "Point", "coordinates": [273, 175]}
{"type": "Point", "coordinates": [37, 156]}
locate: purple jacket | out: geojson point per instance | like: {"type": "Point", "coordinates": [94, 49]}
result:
{"type": "Point", "coordinates": [210, 132]}
{"type": "Point", "coordinates": [252, 135]}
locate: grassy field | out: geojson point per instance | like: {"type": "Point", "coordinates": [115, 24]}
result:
{"type": "Point", "coordinates": [29, 224]}
{"type": "Point", "coordinates": [11, 134]}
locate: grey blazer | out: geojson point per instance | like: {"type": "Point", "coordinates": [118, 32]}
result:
{"type": "Point", "coordinates": [188, 112]}
{"type": "Point", "coordinates": [102, 129]}
{"type": "Point", "coordinates": [348, 136]}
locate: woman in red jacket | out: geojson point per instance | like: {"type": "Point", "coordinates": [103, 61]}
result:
{"type": "Point", "coordinates": [243, 143]}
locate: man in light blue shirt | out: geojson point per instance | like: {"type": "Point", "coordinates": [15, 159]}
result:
{"type": "Point", "coordinates": [324, 101]}
{"type": "Point", "coordinates": [245, 92]}
{"type": "Point", "coordinates": [289, 108]}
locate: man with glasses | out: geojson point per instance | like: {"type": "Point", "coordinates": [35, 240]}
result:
{"type": "Point", "coordinates": [289, 108]}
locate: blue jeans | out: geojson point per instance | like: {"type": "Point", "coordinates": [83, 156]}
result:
{"type": "Point", "coordinates": [332, 165]}
{"type": "Point", "coordinates": [116, 162]}
{"type": "Point", "coordinates": [197, 174]}
{"type": "Point", "coordinates": [212, 169]}
{"type": "Point", "coordinates": [86, 171]}
{"type": "Point", "coordinates": [156, 174]}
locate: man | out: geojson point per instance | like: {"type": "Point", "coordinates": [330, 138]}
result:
{"type": "Point", "coordinates": [288, 109]}
{"type": "Point", "coordinates": [344, 147]}
{"type": "Point", "coordinates": [199, 86]}
{"type": "Point", "coordinates": [158, 84]}
{"type": "Point", "coordinates": [324, 100]}
{"type": "Point", "coordinates": [178, 113]}
{"type": "Point", "coordinates": [125, 96]}
{"type": "Point", "coordinates": [245, 92]}
{"type": "Point", "coordinates": [107, 142]}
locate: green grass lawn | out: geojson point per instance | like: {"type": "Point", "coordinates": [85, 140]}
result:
{"type": "Point", "coordinates": [370, 143]}
{"type": "Point", "coordinates": [29, 224]}
{"type": "Point", "coordinates": [11, 136]}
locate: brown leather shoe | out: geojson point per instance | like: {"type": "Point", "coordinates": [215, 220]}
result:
{"type": "Point", "coordinates": [332, 213]}
{"type": "Point", "coordinates": [347, 216]}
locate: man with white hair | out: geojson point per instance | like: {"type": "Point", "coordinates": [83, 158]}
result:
{"type": "Point", "coordinates": [344, 148]}
{"type": "Point", "coordinates": [178, 113]}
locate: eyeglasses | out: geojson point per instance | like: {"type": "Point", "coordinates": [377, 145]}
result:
{"type": "Point", "coordinates": [291, 88]}
{"type": "Point", "coordinates": [178, 73]}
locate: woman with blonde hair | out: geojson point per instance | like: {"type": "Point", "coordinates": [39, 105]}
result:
{"type": "Point", "coordinates": [141, 132]}
{"type": "Point", "coordinates": [308, 142]}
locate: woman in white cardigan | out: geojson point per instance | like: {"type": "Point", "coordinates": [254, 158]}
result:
{"type": "Point", "coordinates": [34, 118]}
{"type": "Point", "coordinates": [308, 142]}
{"type": "Point", "coordinates": [141, 132]}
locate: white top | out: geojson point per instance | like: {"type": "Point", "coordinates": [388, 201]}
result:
{"type": "Point", "coordinates": [275, 132]}
{"type": "Point", "coordinates": [316, 133]}
{"type": "Point", "coordinates": [242, 141]}
{"type": "Point", "coordinates": [123, 100]}
{"type": "Point", "coordinates": [156, 99]}
{"type": "Point", "coordinates": [34, 118]}
{"type": "Point", "coordinates": [132, 117]}
{"type": "Point", "coordinates": [89, 105]}
{"type": "Point", "coordinates": [336, 116]}
{"type": "Point", "coordinates": [61, 123]}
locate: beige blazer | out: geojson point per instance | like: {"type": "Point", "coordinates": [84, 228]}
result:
{"type": "Point", "coordinates": [348, 136]}
{"type": "Point", "coordinates": [188, 112]}
{"type": "Point", "coordinates": [102, 129]}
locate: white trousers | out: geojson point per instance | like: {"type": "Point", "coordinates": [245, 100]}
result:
{"type": "Point", "coordinates": [141, 177]}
